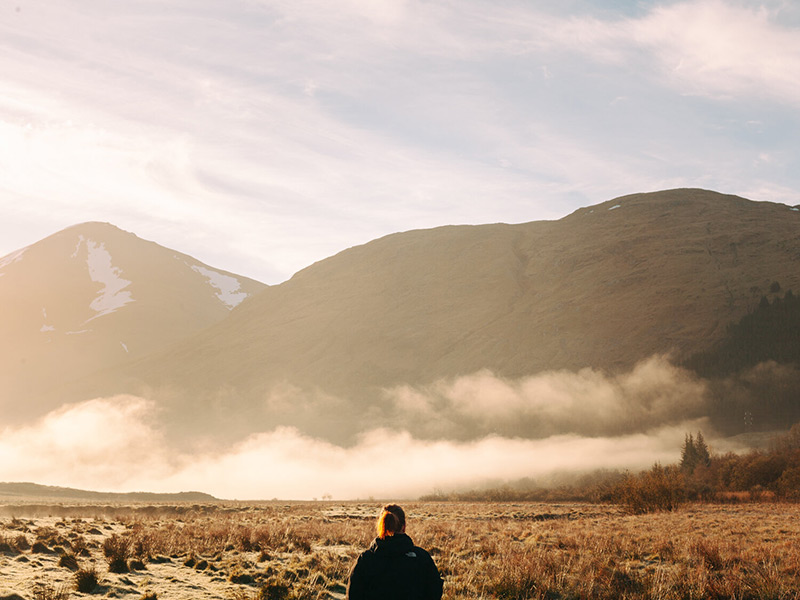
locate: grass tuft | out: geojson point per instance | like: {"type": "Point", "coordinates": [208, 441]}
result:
{"type": "Point", "coordinates": [43, 591]}
{"type": "Point", "coordinates": [86, 580]}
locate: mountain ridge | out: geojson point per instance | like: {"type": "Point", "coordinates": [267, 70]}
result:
{"type": "Point", "coordinates": [93, 296]}
{"type": "Point", "coordinates": [604, 287]}
{"type": "Point", "coordinates": [24, 489]}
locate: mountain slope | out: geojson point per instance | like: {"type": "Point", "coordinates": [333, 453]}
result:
{"type": "Point", "coordinates": [29, 491]}
{"type": "Point", "coordinates": [604, 287]}
{"type": "Point", "coordinates": [92, 297]}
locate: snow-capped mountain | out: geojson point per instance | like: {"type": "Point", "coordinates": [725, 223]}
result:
{"type": "Point", "coordinates": [93, 296]}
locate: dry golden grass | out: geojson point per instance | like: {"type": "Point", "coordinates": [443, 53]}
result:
{"type": "Point", "coordinates": [503, 551]}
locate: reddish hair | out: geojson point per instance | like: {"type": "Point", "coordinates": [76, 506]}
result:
{"type": "Point", "coordinates": [391, 521]}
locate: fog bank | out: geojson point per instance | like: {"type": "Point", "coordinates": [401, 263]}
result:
{"type": "Point", "coordinates": [115, 444]}
{"type": "Point", "coordinates": [653, 394]}
{"type": "Point", "coordinates": [454, 434]}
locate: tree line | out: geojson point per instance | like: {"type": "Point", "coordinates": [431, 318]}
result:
{"type": "Point", "coordinates": [753, 372]}
{"type": "Point", "coordinates": [768, 333]}
{"type": "Point", "coordinates": [772, 474]}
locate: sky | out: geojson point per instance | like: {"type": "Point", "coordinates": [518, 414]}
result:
{"type": "Point", "coordinates": [260, 136]}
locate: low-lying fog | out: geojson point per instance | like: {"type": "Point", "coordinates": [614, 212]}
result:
{"type": "Point", "coordinates": [452, 435]}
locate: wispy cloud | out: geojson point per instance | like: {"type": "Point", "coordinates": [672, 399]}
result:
{"type": "Point", "coordinates": [262, 136]}
{"type": "Point", "coordinates": [725, 50]}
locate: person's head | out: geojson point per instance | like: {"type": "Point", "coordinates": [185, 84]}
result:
{"type": "Point", "coordinates": [391, 521]}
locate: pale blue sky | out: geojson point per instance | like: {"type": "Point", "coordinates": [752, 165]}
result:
{"type": "Point", "coordinates": [262, 135]}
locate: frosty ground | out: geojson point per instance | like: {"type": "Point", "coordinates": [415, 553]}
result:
{"type": "Point", "coordinates": [234, 551]}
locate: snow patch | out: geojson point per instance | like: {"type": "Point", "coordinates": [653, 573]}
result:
{"type": "Point", "coordinates": [112, 296]}
{"type": "Point", "coordinates": [228, 287]}
{"type": "Point", "coordinates": [615, 206]}
{"type": "Point", "coordinates": [78, 332]}
{"type": "Point", "coordinates": [795, 209]}
{"type": "Point", "coordinates": [45, 328]}
{"type": "Point", "coordinates": [125, 347]}
{"type": "Point", "coordinates": [81, 239]}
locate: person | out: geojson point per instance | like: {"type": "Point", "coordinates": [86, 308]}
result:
{"type": "Point", "coordinates": [393, 568]}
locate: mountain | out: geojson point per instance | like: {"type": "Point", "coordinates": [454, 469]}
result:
{"type": "Point", "coordinates": [604, 287]}
{"type": "Point", "coordinates": [28, 491]}
{"type": "Point", "coordinates": [771, 332]}
{"type": "Point", "coordinates": [92, 297]}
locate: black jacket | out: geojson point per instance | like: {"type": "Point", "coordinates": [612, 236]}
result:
{"type": "Point", "coordinates": [394, 569]}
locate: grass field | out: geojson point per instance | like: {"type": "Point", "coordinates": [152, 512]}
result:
{"type": "Point", "coordinates": [304, 550]}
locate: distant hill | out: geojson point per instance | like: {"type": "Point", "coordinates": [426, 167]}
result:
{"type": "Point", "coordinates": [93, 297]}
{"type": "Point", "coordinates": [26, 490]}
{"type": "Point", "coordinates": [604, 287]}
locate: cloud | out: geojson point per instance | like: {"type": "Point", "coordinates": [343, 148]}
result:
{"type": "Point", "coordinates": [589, 402]}
{"type": "Point", "coordinates": [716, 48]}
{"type": "Point", "coordinates": [97, 442]}
{"type": "Point", "coordinates": [579, 422]}
{"type": "Point", "coordinates": [390, 463]}
{"type": "Point", "coordinates": [113, 445]}
{"type": "Point", "coordinates": [727, 49]}
{"type": "Point", "coordinates": [358, 119]}
{"type": "Point", "coordinates": [212, 141]}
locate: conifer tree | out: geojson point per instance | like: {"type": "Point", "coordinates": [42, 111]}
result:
{"type": "Point", "coordinates": [694, 453]}
{"type": "Point", "coordinates": [688, 454]}
{"type": "Point", "coordinates": [701, 450]}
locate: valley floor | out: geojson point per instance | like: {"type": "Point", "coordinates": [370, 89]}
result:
{"type": "Point", "coordinates": [231, 551]}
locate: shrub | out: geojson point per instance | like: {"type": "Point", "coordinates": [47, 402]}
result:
{"type": "Point", "coordinates": [116, 546]}
{"type": "Point", "coordinates": [69, 561]}
{"type": "Point", "coordinates": [137, 565]}
{"type": "Point", "coordinates": [274, 591]}
{"type": "Point", "coordinates": [46, 533]}
{"type": "Point", "coordinates": [86, 580]}
{"type": "Point", "coordinates": [7, 545]}
{"type": "Point", "coordinates": [659, 489]}
{"type": "Point", "coordinates": [118, 565]}
{"type": "Point", "coordinates": [22, 543]}
{"type": "Point", "coordinates": [788, 485]}
{"type": "Point", "coordinates": [79, 546]}
{"type": "Point", "coordinates": [242, 578]}
{"type": "Point", "coordinates": [117, 549]}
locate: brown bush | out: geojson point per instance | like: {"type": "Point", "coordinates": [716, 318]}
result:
{"type": "Point", "coordinates": [659, 489]}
